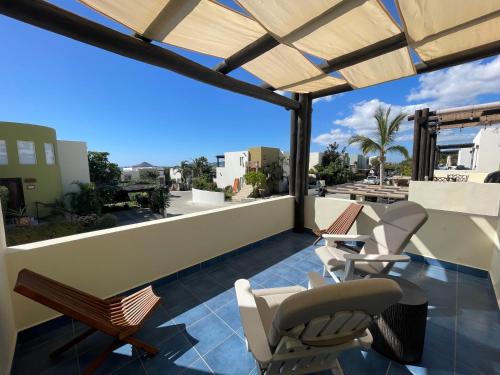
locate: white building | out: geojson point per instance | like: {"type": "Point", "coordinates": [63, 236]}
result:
{"type": "Point", "coordinates": [73, 164]}
{"type": "Point", "coordinates": [234, 167]}
{"type": "Point", "coordinates": [485, 155]}
{"type": "Point", "coordinates": [315, 158]}
{"type": "Point", "coordinates": [133, 173]}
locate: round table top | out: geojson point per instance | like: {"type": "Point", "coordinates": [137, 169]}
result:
{"type": "Point", "coordinates": [412, 293]}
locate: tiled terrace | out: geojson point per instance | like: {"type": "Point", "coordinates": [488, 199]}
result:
{"type": "Point", "coordinates": [198, 331]}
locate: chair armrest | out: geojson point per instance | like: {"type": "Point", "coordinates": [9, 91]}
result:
{"type": "Point", "coordinates": [350, 259]}
{"type": "Point", "coordinates": [315, 280]}
{"type": "Point", "coordinates": [251, 322]}
{"type": "Point", "coordinates": [346, 237]}
{"type": "Point", "coordinates": [377, 257]}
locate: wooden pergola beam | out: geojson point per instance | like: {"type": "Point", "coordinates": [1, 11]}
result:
{"type": "Point", "coordinates": [47, 16]}
{"type": "Point", "coordinates": [374, 50]}
{"type": "Point", "coordinates": [250, 52]}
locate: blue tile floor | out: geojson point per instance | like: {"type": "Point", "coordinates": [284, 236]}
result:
{"type": "Point", "coordinates": [198, 331]}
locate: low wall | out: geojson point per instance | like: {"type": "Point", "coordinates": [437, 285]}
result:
{"type": "Point", "coordinates": [111, 261]}
{"type": "Point", "coordinates": [473, 175]}
{"type": "Point", "coordinates": [462, 224]}
{"type": "Point", "coordinates": [208, 197]}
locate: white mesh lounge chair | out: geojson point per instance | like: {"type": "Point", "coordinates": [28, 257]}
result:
{"type": "Point", "coordinates": [292, 330]}
{"type": "Point", "coordinates": [382, 248]}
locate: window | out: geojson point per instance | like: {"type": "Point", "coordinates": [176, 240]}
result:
{"type": "Point", "coordinates": [26, 151]}
{"type": "Point", "coordinates": [4, 160]}
{"type": "Point", "coordinates": [49, 153]}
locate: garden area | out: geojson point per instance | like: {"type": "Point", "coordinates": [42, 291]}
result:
{"type": "Point", "coordinates": [91, 206]}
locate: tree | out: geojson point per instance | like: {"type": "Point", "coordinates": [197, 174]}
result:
{"type": "Point", "coordinates": [101, 170]}
{"type": "Point", "coordinates": [87, 200]}
{"type": "Point", "coordinates": [168, 179]}
{"type": "Point", "coordinates": [274, 174]}
{"type": "Point", "coordinates": [333, 168]}
{"type": "Point", "coordinates": [258, 180]}
{"type": "Point", "coordinates": [186, 171]}
{"type": "Point", "coordinates": [383, 142]}
{"type": "Point", "coordinates": [149, 175]}
{"type": "Point", "coordinates": [201, 168]}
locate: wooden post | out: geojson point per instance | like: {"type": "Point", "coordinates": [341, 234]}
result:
{"type": "Point", "coordinates": [432, 162]}
{"type": "Point", "coordinates": [423, 143]}
{"type": "Point", "coordinates": [293, 148]}
{"type": "Point", "coordinates": [308, 144]}
{"type": "Point", "coordinates": [416, 144]}
{"type": "Point", "coordinates": [300, 163]}
{"type": "Point", "coordinates": [427, 159]}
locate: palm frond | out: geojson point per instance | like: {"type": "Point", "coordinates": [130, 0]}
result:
{"type": "Point", "coordinates": [367, 144]}
{"type": "Point", "coordinates": [399, 149]}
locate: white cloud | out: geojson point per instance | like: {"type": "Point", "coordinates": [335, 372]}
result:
{"type": "Point", "coordinates": [459, 85]}
{"type": "Point", "coordinates": [335, 135]}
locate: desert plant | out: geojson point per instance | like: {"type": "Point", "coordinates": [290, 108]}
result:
{"type": "Point", "coordinates": [142, 199]}
{"type": "Point", "coordinates": [159, 200]}
{"type": "Point", "coordinates": [228, 192]}
{"type": "Point", "coordinates": [203, 183]}
{"type": "Point", "coordinates": [383, 142]}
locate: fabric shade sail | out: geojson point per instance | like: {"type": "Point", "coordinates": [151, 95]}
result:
{"type": "Point", "coordinates": [440, 28]}
{"type": "Point", "coordinates": [301, 31]}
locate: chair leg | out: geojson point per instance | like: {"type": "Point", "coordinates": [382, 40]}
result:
{"type": "Point", "coordinates": [141, 345]}
{"type": "Point", "coordinates": [337, 370]}
{"type": "Point", "coordinates": [72, 342]}
{"type": "Point", "coordinates": [317, 240]}
{"type": "Point", "coordinates": [102, 357]}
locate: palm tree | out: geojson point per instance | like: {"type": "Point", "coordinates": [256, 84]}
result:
{"type": "Point", "coordinates": [186, 171]}
{"type": "Point", "coordinates": [383, 142]}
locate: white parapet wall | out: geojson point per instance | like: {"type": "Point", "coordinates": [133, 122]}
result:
{"type": "Point", "coordinates": [462, 226]}
{"type": "Point", "coordinates": [208, 197]}
{"type": "Point", "coordinates": [111, 261]}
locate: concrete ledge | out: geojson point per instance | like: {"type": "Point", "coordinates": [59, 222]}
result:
{"type": "Point", "coordinates": [208, 197]}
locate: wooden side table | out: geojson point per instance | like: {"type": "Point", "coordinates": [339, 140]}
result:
{"type": "Point", "coordinates": [399, 332]}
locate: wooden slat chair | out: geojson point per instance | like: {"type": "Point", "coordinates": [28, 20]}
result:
{"type": "Point", "coordinates": [343, 223]}
{"type": "Point", "coordinates": [119, 317]}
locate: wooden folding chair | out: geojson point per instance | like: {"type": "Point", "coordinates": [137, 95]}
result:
{"type": "Point", "coordinates": [119, 317]}
{"type": "Point", "coordinates": [342, 224]}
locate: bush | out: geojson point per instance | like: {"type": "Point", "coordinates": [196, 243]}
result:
{"type": "Point", "coordinates": [202, 183]}
{"type": "Point", "coordinates": [142, 200]}
{"type": "Point", "coordinates": [228, 192]}
{"type": "Point", "coordinates": [87, 200]}
{"type": "Point", "coordinates": [159, 199]}
{"type": "Point", "coordinates": [4, 197]}
{"type": "Point", "coordinates": [89, 223]}
{"type": "Point", "coordinates": [258, 180]}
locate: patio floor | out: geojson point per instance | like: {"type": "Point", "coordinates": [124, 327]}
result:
{"type": "Point", "coordinates": [197, 327]}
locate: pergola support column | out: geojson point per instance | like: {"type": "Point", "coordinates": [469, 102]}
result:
{"type": "Point", "coordinates": [293, 147]}
{"type": "Point", "coordinates": [416, 144]}
{"type": "Point", "coordinates": [423, 144]}
{"type": "Point", "coordinates": [432, 156]}
{"type": "Point", "coordinates": [303, 120]}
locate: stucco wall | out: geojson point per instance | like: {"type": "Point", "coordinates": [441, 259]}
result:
{"type": "Point", "coordinates": [208, 197]}
{"type": "Point", "coordinates": [47, 187]}
{"type": "Point", "coordinates": [462, 225]}
{"type": "Point", "coordinates": [232, 168]}
{"type": "Point", "coordinates": [7, 325]}
{"type": "Point", "coordinates": [114, 260]}
{"type": "Point", "coordinates": [73, 163]}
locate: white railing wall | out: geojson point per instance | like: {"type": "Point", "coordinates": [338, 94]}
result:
{"type": "Point", "coordinates": [111, 261]}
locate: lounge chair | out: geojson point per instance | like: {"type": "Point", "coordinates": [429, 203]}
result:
{"type": "Point", "coordinates": [343, 223]}
{"type": "Point", "coordinates": [292, 330]}
{"type": "Point", "coordinates": [382, 248]}
{"type": "Point", "coordinates": [119, 317]}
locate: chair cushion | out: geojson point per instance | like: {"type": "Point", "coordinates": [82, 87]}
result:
{"type": "Point", "coordinates": [268, 301]}
{"type": "Point", "coordinates": [333, 259]}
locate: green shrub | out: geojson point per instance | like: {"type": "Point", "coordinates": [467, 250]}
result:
{"type": "Point", "coordinates": [203, 183]}
{"type": "Point", "coordinates": [258, 180]}
{"type": "Point", "coordinates": [142, 199]}
{"type": "Point", "coordinates": [105, 221]}
{"type": "Point", "coordinates": [159, 200]}
{"type": "Point", "coordinates": [87, 221]}
{"type": "Point", "coordinates": [228, 192]}
{"type": "Point", "coordinates": [4, 197]}
{"type": "Point", "coordinates": [87, 200]}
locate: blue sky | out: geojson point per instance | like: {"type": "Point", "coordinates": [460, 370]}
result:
{"type": "Point", "coordinates": [142, 113]}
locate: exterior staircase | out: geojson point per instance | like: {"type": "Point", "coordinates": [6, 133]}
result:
{"type": "Point", "coordinates": [245, 191]}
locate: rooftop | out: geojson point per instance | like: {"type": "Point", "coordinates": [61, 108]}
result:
{"type": "Point", "coordinates": [198, 329]}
